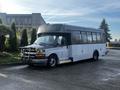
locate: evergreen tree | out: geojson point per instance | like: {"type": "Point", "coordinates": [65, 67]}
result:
{"type": "Point", "coordinates": [33, 36]}
{"type": "Point", "coordinates": [4, 30]}
{"type": "Point", "coordinates": [13, 38]}
{"type": "Point", "coordinates": [10, 43]}
{"type": "Point", "coordinates": [0, 21]}
{"type": "Point", "coordinates": [2, 43]}
{"type": "Point", "coordinates": [105, 27]}
{"type": "Point", "coordinates": [24, 38]}
{"type": "Point", "coordinates": [13, 27]}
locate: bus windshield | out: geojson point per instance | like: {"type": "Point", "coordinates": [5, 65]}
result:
{"type": "Point", "coordinates": [50, 40]}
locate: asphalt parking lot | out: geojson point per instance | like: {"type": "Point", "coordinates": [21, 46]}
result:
{"type": "Point", "coordinates": [84, 75]}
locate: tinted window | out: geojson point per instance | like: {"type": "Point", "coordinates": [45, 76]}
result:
{"type": "Point", "coordinates": [84, 37]}
{"type": "Point", "coordinates": [76, 37]}
{"type": "Point", "coordinates": [94, 35]}
{"type": "Point", "coordinates": [89, 36]}
{"type": "Point", "coordinates": [103, 39]}
{"type": "Point", "coordinates": [62, 41]}
{"type": "Point", "coordinates": [80, 36]}
{"type": "Point", "coordinates": [98, 37]}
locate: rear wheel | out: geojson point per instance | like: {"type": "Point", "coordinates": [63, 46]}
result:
{"type": "Point", "coordinates": [95, 55]}
{"type": "Point", "coordinates": [52, 61]}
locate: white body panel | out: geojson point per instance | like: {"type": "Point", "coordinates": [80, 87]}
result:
{"type": "Point", "coordinates": [85, 51]}
{"type": "Point", "coordinates": [77, 52]}
{"type": "Point", "coordinates": [61, 52]}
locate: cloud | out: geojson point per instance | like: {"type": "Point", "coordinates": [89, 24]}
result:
{"type": "Point", "coordinates": [61, 14]}
{"type": "Point", "coordinates": [107, 7]}
{"type": "Point", "coordinates": [76, 12]}
{"type": "Point", "coordinates": [64, 14]}
{"type": "Point", "coordinates": [12, 7]}
{"type": "Point", "coordinates": [60, 8]}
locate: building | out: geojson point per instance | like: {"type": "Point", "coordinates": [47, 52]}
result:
{"type": "Point", "coordinates": [27, 21]}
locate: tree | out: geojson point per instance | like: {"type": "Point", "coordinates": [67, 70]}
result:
{"type": "Point", "coordinates": [4, 30]}
{"type": "Point", "coordinates": [13, 46]}
{"type": "Point", "coordinates": [2, 43]}
{"type": "Point", "coordinates": [33, 36]}
{"type": "Point", "coordinates": [105, 27]}
{"type": "Point", "coordinates": [10, 42]}
{"type": "Point", "coordinates": [0, 21]}
{"type": "Point", "coordinates": [24, 38]}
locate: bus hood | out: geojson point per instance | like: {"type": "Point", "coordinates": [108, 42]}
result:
{"type": "Point", "coordinates": [34, 46]}
{"type": "Point", "coordinates": [37, 46]}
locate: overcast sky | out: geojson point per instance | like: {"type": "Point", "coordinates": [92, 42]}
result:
{"type": "Point", "coordinates": [88, 13]}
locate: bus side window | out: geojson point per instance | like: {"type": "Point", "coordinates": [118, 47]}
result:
{"type": "Point", "coordinates": [98, 37]}
{"type": "Point", "coordinates": [89, 36]}
{"type": "Point", "coordinates": [76, 37]}
{"type": "Point", "coordinates": [63, 41]}
{"type": "Point", "coordinates": [94, 35]}
{"type": "Point", "coordinates": [80, 37]}
{"type": "Point", "coordinates": [103, 39]}
{"type": "Point", "coordinates": [84, 37]}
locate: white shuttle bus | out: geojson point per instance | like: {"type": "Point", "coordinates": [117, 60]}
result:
{"type": "Point", "coordinates": [60, 43]}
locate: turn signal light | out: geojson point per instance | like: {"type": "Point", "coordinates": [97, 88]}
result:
{"type": "Point", "coordinates": [40, 56]}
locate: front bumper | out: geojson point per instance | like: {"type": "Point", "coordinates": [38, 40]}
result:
{"type": "Point", "coordinates": [35, 61]}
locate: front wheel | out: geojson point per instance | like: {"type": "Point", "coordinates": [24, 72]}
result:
{"type": "Point", "coordinates": [52, 61]}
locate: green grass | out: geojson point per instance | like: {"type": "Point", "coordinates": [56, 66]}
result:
{"type": "Point", "coordinates": [8, 58]}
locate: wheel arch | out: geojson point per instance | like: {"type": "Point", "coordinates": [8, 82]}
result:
{"type": "Point", "coordinates": [54, 55]}
{"type": "Point", "coordinates": [96, 51]}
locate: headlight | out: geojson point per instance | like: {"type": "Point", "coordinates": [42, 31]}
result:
{"type": "Point", "coordinates": [40, 54]}
{"type": "Point", "coordinates": [40, 51]}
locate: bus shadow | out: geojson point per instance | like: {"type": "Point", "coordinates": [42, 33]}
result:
{"type": "Point", "coordinates": [87, 61]}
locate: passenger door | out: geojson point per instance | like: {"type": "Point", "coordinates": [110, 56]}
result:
{"type": "Point", "coordinates": [63, 48]}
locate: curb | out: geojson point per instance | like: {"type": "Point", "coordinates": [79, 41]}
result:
{"type": "Point", "coordinates": [114, 48]}
{"type": "Point", "coordinates": [12, 64]}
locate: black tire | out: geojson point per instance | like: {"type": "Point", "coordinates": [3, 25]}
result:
{"type": "Point", "coordinates": [52, 61]}
{"type": "Point", "coordinates": [95, 55]}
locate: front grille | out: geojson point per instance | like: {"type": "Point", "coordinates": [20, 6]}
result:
{"type": "Point", "coordinates": [29, 56]}
{"type": "Point", "coordinates": [28, 50]}
{"type": "Point", "coordinates": [28, 53]}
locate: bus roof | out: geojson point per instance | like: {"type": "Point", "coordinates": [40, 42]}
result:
{"type": "Point", "coordinates": [63, 28]}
